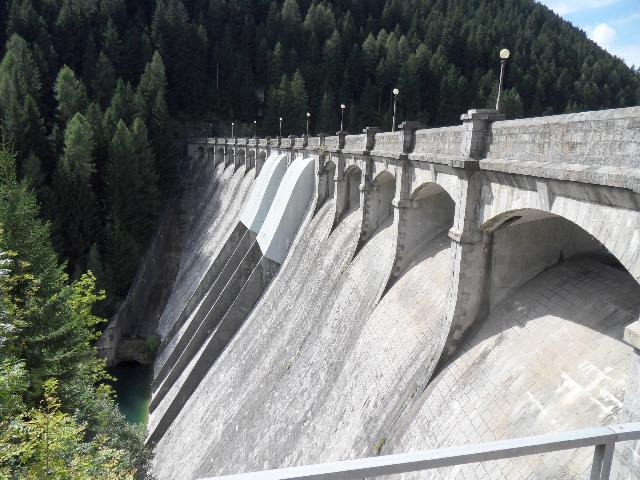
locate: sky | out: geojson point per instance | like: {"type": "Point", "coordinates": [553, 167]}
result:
{"type": "Point", "coordinates": [612, 24]}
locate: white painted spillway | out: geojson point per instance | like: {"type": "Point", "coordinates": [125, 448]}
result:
{"type": "Point", "coordinates": [264, 190]}
{"type": "Point", "coordinates": [289, 205]}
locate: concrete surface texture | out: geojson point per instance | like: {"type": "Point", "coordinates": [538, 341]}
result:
{"type": "Point", "coordinates": [218, 214]}
{"type": "Point", "coordinates": [550, 358]}
{"type": "Point", "coordinates": [453, 285]}
{"type": "Point", "coordinates": [287, 210]}
{"type": "Point", "coordinates": [264, 190]}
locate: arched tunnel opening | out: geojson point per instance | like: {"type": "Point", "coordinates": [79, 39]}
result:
{"type": "Point", "coordinates": [352, 185]}
{"type": "Point", "coordinates": [326, 182]}
{"type": "Point", "coordinates": [548, 349]}
{"type": "Point", "coordinates": [429, 213]}
{"type": "Point", "coordinates": [348, 195]}
{"type": "Point", "coordinates": [527, 242]}
{"type": "Point", "coordinates": [383, 189]}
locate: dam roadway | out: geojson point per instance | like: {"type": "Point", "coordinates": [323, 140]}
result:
{"type": "Point", "coordinates": [356, 295]}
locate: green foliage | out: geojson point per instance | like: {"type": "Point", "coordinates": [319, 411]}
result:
{"type": "Point", "coordinates": [46, 442]}
{"type": "Point", "coordinates": [54, 421]}
{"type": "Point", "coordinates": [20, 92]}
{"type": "Point", "coordinates": [76, 224]}
{"type": "Point", "coordinates": [70, 95]}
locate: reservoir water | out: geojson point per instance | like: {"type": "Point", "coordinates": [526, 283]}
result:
{"type": "Point", "coordinates": [133, 390]}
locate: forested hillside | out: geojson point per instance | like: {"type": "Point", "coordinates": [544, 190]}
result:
{"type": "Point", "coordinates": [87, 89]}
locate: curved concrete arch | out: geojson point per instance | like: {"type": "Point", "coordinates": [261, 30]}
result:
{"type": "Point", "coordinates": [250, 161]}
{"type": "Point", "coordinates": [427, 214]}
{"type": "Point", "coordinates": [617, 229]}
{"type": "Point", "coordinates": [347, 193]}
{"type": "Point", "coordinates": [263, 192]}
{"type": "Point", "coordinates": [527, 241]}
{"type": "Point", "coordinates": [287, 210]}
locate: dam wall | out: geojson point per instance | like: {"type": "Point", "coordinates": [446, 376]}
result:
{"type": "Point", "coordinates": [389, 292]}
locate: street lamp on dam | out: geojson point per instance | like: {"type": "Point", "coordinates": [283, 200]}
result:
{"type": "Point", "coordinates": [395, 98]}
{"type": "Point", "coordinates": [232, 125]}
{"type": "Point", "coordinates": [255, 129]}
{"type": "Point", "coordinates": [308, 116]}
{"type": "Point", "coordinates": [504, 56]}
{"type": "Point", "coordinates": [280, 126]}
{"type": "Point", "coordinates": [342, 107]}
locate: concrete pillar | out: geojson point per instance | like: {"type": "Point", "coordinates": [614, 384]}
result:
{"type": "Point", "coordinates": [471, 249]}
{"type": "Point", "coordinates": [629, 452]}
{"type": "Point", "coordinates": [468, 292]}
{"type": "Point", "coordinates": [290, 152]}
{"type": "Point", "coordinates": [325, 176]}
{"type": "Point", "coordinates": [476, 128]}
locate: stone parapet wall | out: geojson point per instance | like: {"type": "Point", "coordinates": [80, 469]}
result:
{"type": "Point", "coordinates": [285, 143]}
{"type": "Point", "coordinates": [313, 143]}
{"type": "Point", "coordinates": [355, 143]}
{"type": "Point", "coordinates": [389, 144]}
{"type": "Point", "coordinates": [592, 138]}
{"type": "Point", "coordinates": [435, 142]}
{"type": "Point", "coordinates": [332, 143]}
{"type": "Point", "coordinates": [600, 147]}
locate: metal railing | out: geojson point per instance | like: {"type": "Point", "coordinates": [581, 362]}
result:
{"type": "Point", "coordinates": [602, 438]}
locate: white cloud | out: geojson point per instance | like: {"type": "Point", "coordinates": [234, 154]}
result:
{"type": "Point", "coordinates": [630, 54]}
{"type": "Point", "coordinates": [603, 35]}
{"type": "Point", "coordinates": [563, 7]}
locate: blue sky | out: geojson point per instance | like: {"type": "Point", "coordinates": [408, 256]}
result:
{"type": "Point", "coordinates": [612, 24]}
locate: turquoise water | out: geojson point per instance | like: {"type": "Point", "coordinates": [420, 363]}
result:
{"type": "Point", "coordinates": [133, 390]}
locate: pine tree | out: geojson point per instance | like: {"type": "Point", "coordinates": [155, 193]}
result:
{"type": "Point", "coordinates": [327, 117]}
{"type": "Point", "coordinates": [147, 196]}
{"type": "Point", "coordinates": [122, 107]}
{"type": "Point", "coordinates": [76, 222]}
{"type": "Point", "coordinates": [70, 94]}
{"type": "Point", "coordinates": [20, 91]}
{"type": "Point", "coordinates": [104, 82]}
{"type": "Point", "coordinates": [298, 104]}
{"type": "Point", "coordinates": [152, 81]}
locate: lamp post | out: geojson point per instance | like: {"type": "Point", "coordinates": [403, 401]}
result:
{"type": "Point", "coordinates": [255, 129]}
{"type": "Point", "coordinates": [395, 97]}
{"type": "Point", "coordinates": [308, 116]}
{"type": "Point", "coordinates": [504, 56]}
{"type": "Point", "coordinates": [232, 124]}
{"type": "Point", "coordinates": [280, 126]}
{"type": "Point", "coordinates": [210, 129]}
{"type": "Point", "coordinates": [342, 107]}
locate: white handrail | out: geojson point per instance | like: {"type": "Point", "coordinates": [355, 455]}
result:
{"type": "Point", "coordinates": [603, 438]}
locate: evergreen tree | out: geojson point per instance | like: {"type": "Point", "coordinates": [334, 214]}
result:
{"type": "Point", "coordinates": [122, 183]}
{"type": "Point", "coordinates": [70, 94]}
{"type": "Point", "coordinates": [76, 223]}
{"type": "Point", "coordinates": [122, 107]}
{"type": "Point", "coordinates": [20, 91]}
{"type": "Point", "coordinates": [152, 82]}
{"type": "Point", "coordinates": [298, 104]}
{"type": "Point", "coordinates": [327, 117]}
{"type": "Point", "coordinates": [104, 82]}
{"type": "Point", "coordinates": [147, 196]}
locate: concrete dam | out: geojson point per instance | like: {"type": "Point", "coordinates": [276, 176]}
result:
{"type": "Point", "coordinates": [350, 296]}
